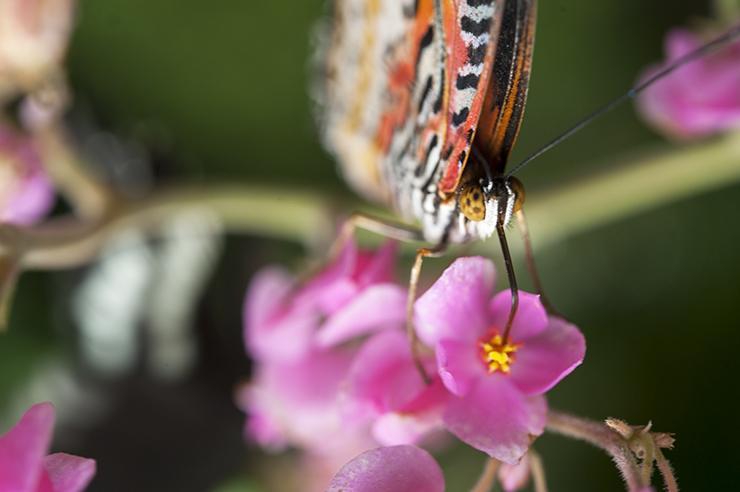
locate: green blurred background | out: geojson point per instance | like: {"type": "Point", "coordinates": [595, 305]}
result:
{"type": "Point", "coordinates": [218, 91]}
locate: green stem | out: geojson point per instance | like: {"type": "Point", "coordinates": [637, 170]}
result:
{"type": "Point", "coordinates": [291, 215]}
{"type": "Point", "coordinates": [72, 177]}
{"type": "Point", "coordinates": [643, 183]}
{"type": "Point", "coordinates": [727, 10]}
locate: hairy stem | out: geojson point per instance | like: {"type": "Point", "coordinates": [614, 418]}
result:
{"type": "Point", "coordinates": [669, 479]}
{"type": "Point", "coordinates": [601, 436]}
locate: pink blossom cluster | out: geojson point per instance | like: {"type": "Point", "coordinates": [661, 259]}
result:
{"type": "Point", "coordinates": [334, 373]}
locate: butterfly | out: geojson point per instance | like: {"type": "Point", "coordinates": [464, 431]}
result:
{"type": "Point", "coordinates": [424, 100]}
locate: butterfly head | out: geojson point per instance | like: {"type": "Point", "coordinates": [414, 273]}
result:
{"type": "Point", "coordinates": [491, 201]}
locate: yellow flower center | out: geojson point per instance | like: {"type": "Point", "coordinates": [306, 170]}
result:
{"type": "Point", "coordinates": [497, 355]}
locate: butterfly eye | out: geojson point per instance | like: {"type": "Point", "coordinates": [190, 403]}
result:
{"type": "Point", "coordinates": [519, 195]}
{"type": "Point", "coordinates": [472, 202]}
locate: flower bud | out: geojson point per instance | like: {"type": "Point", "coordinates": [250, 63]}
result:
{"type": "Point", "coordinates": [700, 98]}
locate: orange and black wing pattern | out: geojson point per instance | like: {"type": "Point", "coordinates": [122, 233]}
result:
{"type": "Point", "coordinates": [506, 96]}
{"type": "Point", "coordinates": [412, 85]}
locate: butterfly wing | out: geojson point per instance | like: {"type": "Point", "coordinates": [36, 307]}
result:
{"type": "Point", "coordinates": [405, 82]}
{"type": "Point", "coordinates": [471, 30]}
{"type": "Point", "coordinates": [370, 95]}
{"type": "Point", "coordinates": [406, 85]}
{"type": "Point", "coordinates": [503, 107]}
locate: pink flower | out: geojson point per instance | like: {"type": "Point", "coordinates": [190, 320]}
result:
{"type": "Point", "coordinates": [384, 387]}
{"type": "Point", "coordinates": [24, 465]}
{"type": "Point", "coordinates": [297, 335]}
{"type": "Point", "coordinates": [391, 469]}
{"type": "Point", "coordinates": [26, 193]}
{"type": "Point", "coordinates": [297, 404]}
{"type": "Point", "coordinates": [352, 296]}
{"type": "Point", "coordinates": [698, 99]}
{"type": "Point", "coordinates": [497, 384]}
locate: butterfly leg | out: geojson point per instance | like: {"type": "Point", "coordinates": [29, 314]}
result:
{"type": "Point", "coordinates": [512, 280]}
{"type": "Point", "coordinates": [421, 253]}
{"type": "Point", "coordinates": [382, 227]}
{"type": "Point", "coordinates": [403, 233]}
{"type": "Point", "coordinates": [531, 265]}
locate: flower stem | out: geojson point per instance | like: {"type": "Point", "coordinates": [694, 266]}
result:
{"type": "Point", "coordinates": [301, 215]}
{"type": "Point", "coordinates": [669, 479]}
{"type": "Point", "coordinates": [485, 482]}
{"type": "Point", "coordinates": [9, 270]}
{"type": "Point", "coordinates": [89, 196]}
{"type": "Point", "coordinates": [726, 10]}
{"type": "Point", "coordinates": [307, 216]}
{"type": "Point", "coordinates": [69, 242]}
{"type": "Point", "coordinates": [538, 471]}
{"type": "Point", "coordinates": [601, 436]}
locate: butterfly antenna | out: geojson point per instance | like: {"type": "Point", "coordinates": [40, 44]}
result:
{"type": "Point", "coordinates": [632, 93]}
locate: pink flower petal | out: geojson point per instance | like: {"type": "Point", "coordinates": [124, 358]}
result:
{"type": "Point", "coordinates": [530, 319]}
{"type": "Point", "coordinates": [341, 267]}
{"type": "Point", "coordinates": [296, 402]}
{"type": "Point", "coordinates": [391, 469]}
{"type": "Point", "coordinates": [272, 329]}
{"type": "Point", "coordinates": [378, 307]}
{"type": "Point", "coordinates": [380, 268]}
{"type": "Point", "coordinates": [675, 106]}
{"type": "Point", "coordinates": [266, 298]}
{"type": "Point", "coordinates": [395, 428]}
{"type": "Point", "coordinates": [69, 473]}
{"type": "Point", "coordinates": [260, 427]}
{"type": "Point", "coordinates": [455, 307]}
{"type": "Point", "coordinates": [383, 377]}
{"type": "Point", "coordinates": [351, 272]}
{"type": "Point", "coordinates": [515, 477]}
{"type": "Point", "coordinates": [544, 360]}
{"type": "Point", "coordinates": [286, 340]}
{"type": "Point", "coordinates": [459, 365]}
{"type": "Point", "coordinates": [416, 419]}
{"type": "Point", "coordinates": [334, 285]}
{"type": "Point", "coordinates": [384, 387]}
{"type": "Point", "coordinates": [497, 419]}
{"type": "Point", "coordinates": [23, 448]}
{"type": "Point", "coordinates": [26, 194]}
{"type": "Point", "coordinates": [680, 42]}
{"type": "Point", "coordinates": [32, 201]}
{"type": "Point", "coordinates": [44, 484]}
{"type": "Point", "coordinates": [433, 398]}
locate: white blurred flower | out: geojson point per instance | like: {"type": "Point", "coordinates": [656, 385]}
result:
{"type": "Point", "coordinates": [34, 35]}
